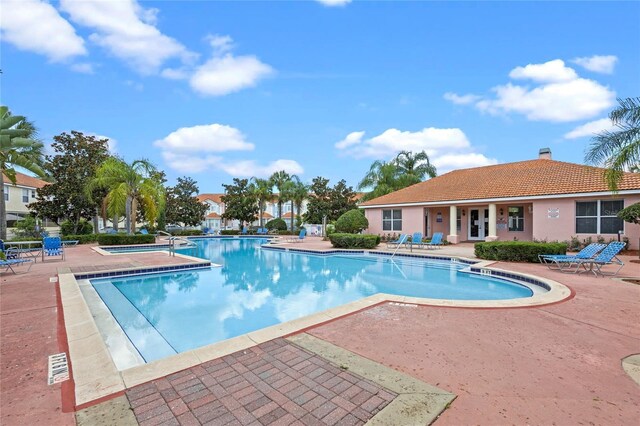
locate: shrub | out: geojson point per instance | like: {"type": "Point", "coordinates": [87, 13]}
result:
{"type": "Point", "coordinates": [124, 239]}
{"type": "Point", "coordinates": [82, 239]}
{"type": "Point", "coordinates": [341, 240]}
{"type": "Point", "coordinates": [277, 224]}
{"type": "Point", "coordinates": [517, 251]}
{"type": "Point", "coordinates": [352, 222]}
{"type": "Point", "coordinates": [84, 227]}
{"type": "Point", "coordinates": [186, 232]}
{"type": "Point", "coordinates": [27, 227]}
{"type": "Point", "coordinates": [229, 232]}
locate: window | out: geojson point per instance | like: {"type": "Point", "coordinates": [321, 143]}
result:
{"type": "Point", "coordinates": [25, 195]}
{"type": "Point", "coordinates": [599, 217]}
{"type": "Point", "coordinates": [516, 218]}
{"type": "Point", "coordinates": [392, 220]}
{"type": "Point", "coordinates": [6, 193]}
{"type": "Point", "coordinates": [33, 193]}
{"type": "Point", "coordinates": [459, 219]}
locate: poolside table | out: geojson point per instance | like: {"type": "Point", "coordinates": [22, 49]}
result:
{"type": "Point", "coordinates": [25, 249]}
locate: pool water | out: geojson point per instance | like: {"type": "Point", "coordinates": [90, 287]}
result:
{"type": "Point", "coordinates": [167, 313]}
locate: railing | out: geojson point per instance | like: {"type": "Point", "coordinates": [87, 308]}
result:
{"type": "Point", "coordinates": [177, 242]}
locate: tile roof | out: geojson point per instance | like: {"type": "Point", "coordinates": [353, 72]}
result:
{"type": "Point", "coordinates": [213, 215]}
{"type": "Point", "coordinates": [25, 180]}
{"type": "Point", "coordinates": [267, 215]}
{"type": "Point", "coordinates": [521, 179]}
{"type": "Point", "coordinates": [216, 198]}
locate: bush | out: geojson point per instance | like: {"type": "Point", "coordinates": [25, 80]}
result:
{"type": "Point", "coordinates": [352, 222]}
{"type": "Point", "coordinates": [341, 240]}
{"type": "Point", "coordinates": [229, 232]}
{"type": "Point", "coordinates": [277, 224]}
{"type": "Point", "coordinates": [82, 239]}
{"type": "Point", "coordinates": [124, 239]}
{"type": "Point", "coordinates": [84, 228]}
{"type": "Point", "coordinates": [517, 251]}
{"type": "Point", "coordinates": [27, 227]}
{"type": "Point", "coordinates": [186, 232]}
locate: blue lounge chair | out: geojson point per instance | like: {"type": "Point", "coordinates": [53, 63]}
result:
{"type": "Point", "coordinates": [8, 264]}
{"type": "Point", "coordinates": [300, 238]}
{"type": "Point", "coordinates": [416, 240]}
{"type": "Point", "coordinates": [402, 239]}
{"type": "Point", "coordinates": [143, 231]}
{"type": "Point", "coordinates": [561, 261]}
{"type": "Point", "coordinates": [244, 230]}
{"type": "Point", "coordinates": [52, 246]}
{"type": "Point", "coordinates": [436, 240]}
{"type": "Point", "coordinates": [608, 256]}
{"type": "Point", "coordinates": [9, 253]}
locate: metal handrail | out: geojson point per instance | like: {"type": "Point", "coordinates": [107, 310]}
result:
{"type": "Point", "coordinates": [174, 239]}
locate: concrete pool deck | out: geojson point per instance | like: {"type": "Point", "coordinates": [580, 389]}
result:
{"type": "Point", "coordinates": [489, 361]}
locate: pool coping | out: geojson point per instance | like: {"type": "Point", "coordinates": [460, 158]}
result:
{"type": "Point", "coordinates": [95, 374]}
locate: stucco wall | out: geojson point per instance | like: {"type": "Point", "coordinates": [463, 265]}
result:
{"type": "Point", "coordinates": [412, 221]}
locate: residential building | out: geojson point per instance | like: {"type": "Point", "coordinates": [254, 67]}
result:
{"type": "Point", "coordinates": [539, 199]}
{"type": "Point", "coordinates": [18, 196]}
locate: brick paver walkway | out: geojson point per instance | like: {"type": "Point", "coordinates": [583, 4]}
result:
{"type": "Point", "coordinates": [275, 383]}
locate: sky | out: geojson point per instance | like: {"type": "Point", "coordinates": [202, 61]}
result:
{"type": "Point", "coordinates": [220, 89]}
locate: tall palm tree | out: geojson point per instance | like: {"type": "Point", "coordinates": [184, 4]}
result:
{"type": "Point", "coordinates": [382, 179]}
{"type": "Point", "coordinates": [414, 168]}
{"type": "Point", "coordinates": [287, 193]}
{"type": "Point", "coordinates": [18, 147]}
{"type": "Point", "coordinates": [279, 180]}
{"type": "Point", "coordinates": [618, 150]}
{"type": "Point", "coordinates": [263, 190]}
{"type": "Point", "coordinates": [127, 185]}
{"type": "Point", "coordinates": [298, 193]}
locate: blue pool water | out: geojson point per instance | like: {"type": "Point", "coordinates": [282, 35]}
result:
{"type": "Point", "coordinates": [166, 313]}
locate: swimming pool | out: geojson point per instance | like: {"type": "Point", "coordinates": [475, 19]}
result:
{"type": "Point", "coordinates": [171, 312]}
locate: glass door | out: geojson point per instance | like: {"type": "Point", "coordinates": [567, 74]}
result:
{"type": "Point", "coordinates": [474, 224]}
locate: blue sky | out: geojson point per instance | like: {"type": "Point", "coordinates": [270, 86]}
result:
{"type": "Point", "coordinates": [215, 89]}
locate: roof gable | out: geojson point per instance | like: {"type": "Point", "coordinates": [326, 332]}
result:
{"type": "Point", "coordinates": [26, 180]}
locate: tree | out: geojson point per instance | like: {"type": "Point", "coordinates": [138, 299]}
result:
{"type": "Point", "coordinates": [127, 186]}
{"type": "Point", "coordinates": [240, 201]}
{"type": "Point", "coordinates": [18, 147]}
{"type": "Point", "coordinates": [414, 168]}
{"type": "Point", "coordinates": [279, 180]}
{"type": "Point", "coordinates": [352, 222]}
{"type": "Point", "coordinates": [73, 166]}
{"type": "Point", "coordinates": [630, 214]}
{"type": "Point", "coordinates": [329, 202]}
{"type": "Point", "coordinates": [263, 191]}
{"type": "Point", "coordinates": [287, 194]}
{"type": "Point", "coordinates": [182, 206]}
{"type": "Point", "coordinates": [618, 150]}
{"type": "Point", "coordinates": [299, 192]}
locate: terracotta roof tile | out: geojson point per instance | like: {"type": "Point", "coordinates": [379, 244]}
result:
{"type": "Point", "coordinates": [213, 215]}
{"type": "Point", "coordinates": [26, 180]}
{"type": "Point", "coordinates": [521, 179]}
{"type": "Point", "coordinates": [216, 198]}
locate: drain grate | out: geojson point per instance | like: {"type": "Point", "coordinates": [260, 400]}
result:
{"type": "Point", "coordinates": [58, 368]}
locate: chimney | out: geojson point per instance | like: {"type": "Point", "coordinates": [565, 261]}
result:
{"type": "Point", "coordinates": [545, 154]}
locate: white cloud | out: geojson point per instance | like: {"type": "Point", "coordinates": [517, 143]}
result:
{"type": "Point", "coordinates": [462, 99]}
{"type": "Point", "coordinates": [334, 2]}
{"type": "Point", "coordinates": [598, 63]}
{"type": "Point", "coordinates": [238, 168]}
{"type": "Point", "coordinates": [127, 31]}
{"type": "Point", "coordinates": [84, 68]}
{"type": "Point", "coordinates": [549, 72]}
{"type": "Point", "coordinates": [447, 148]}
{"type": "Point", "coordinates": [352, 138]}
{"type": "Point", "coordinates": [226, 74]}
{"type": "Point", "coordinates": [36, 26]}
{"type": "Point", "coordinates": [590, 129]}
{"type": "Point", "coordinates": [560, 95]}
{"type": "Point", "coordinates": [205, 138]}
{"type": "Point", "coordinates": [219, 43]}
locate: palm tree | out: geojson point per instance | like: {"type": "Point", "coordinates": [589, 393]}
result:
{"type": "Point", "coordinates": [128, 185]}
{"type": "Point", "coordinates": [18, 147]}
{"type": "Point", "coordinates": [298, 193]}
{"type": "Point", "coordinates": [618, 150]}
{"type": "Point", "coordinates": [414, 168]}
{"type": "Point", "coordinates": [279, 180]}
{"type": "Point", "coordinates": [382, 179]}
{"type": "Point", "coordinates": [263, 190]}
{"type": "Point", "coordinates": [287, 193]}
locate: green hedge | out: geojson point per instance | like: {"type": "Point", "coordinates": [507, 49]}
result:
{"type": "Point", "coordinates": [517, 251]}
{"type": "Point", "coordinates": [276, 223]}
{"type": "Point", "coordinates": [124, 239]}
{"type": "Point", "coordinates": [229, 232]}
{"type": "Point", "coordinates": [186, 232]}
{"type": "Point", "coordinates": [82, 239]}
{"type": "Point", "coordinates": [350, 241]}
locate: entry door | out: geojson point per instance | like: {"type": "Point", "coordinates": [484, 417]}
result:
{"type": "Point", "coordinates": [486, 223]}
{"type": "Point", "coordinates": [427, 224]}
{"type": "Point", "coordinates": [478, 224]}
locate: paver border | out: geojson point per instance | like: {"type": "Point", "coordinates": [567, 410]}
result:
{"type": "Point", "coordinates": [417, 403]}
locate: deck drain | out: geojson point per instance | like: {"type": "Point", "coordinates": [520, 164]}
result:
{"type": "Point", "coordinates": [58, 368]}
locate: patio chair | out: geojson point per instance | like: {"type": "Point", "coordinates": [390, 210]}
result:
{"type": "Point", "coordinates": [561, 261]}
{"type": "Point", "coordinates": [244, 230]}
{"type": "Point", "coordinates": [436, 241]}
{"type": "Point", "coordinates": [52, 246]}
{"type": "Point", "coordinates": [205, 230]}
{"type": "Point", "coordinates": [9, 253]}
{"type": "Point", "coordinates": [416, 240]}
{"type": "Point", "coordinates": [299, 238]}
{"type": "Point", "coordinates": [608, 256]}
{"type": "Point", "coordinates": [402, 239]}
{"type": "Point", "coordinates": [8, 264]}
